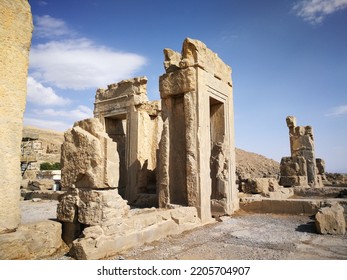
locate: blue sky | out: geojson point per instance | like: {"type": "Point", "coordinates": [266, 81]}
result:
{"type": "Point", "coordinates": [288, 58]}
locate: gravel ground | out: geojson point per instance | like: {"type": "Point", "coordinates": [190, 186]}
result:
{"type": "Point", "coordinates": [38, 210]}
{"type": "Point", "coordinates": [248, 237]}
{"type": "Point", "coordinates": [243, 236]}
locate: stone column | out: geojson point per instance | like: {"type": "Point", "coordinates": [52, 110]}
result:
{"type": "Point", "coordinates": [15, 39]}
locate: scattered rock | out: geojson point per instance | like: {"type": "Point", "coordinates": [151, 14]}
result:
{"type": "Point", "coordinates": [331, 220]}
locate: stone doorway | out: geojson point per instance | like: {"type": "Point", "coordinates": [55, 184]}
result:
{"type": "Point", "coordinates": [218, 166]}
{"type": "Point", "coordinates": [116, 128]}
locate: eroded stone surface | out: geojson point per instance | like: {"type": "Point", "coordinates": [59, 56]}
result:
{"type": "Point", "coordinates": [331, 220]}
{"type": "Point", "coordinates": [89, 157]}
{"type": "Point", "coordinates": [31, 241]}
{"type": "Point", "coordinates": [300, 169]}
{"type": "Point", "coordinates": [197, 166]}
{"type": "Point", "coordinates": [91, 207]}
{"type": "Point", "coordinates": [15, 33]}
{"type": "Point", "coordinates": [140, 227]}
{"type": "Point", "coordinates": [267, 187]}
{"type": "Point", "coordinates": [134, 123]}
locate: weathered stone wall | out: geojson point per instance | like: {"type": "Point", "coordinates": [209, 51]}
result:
{"type": "Point", "coordinates": [197, 158]}
{"type": "Point", "coordinates": [135, 124]}
{"type": "Point", "coordinates": [89, 157]}
{"type": "Point", "coordinates": [15, 39]}
{"type": "Point", "coordinates": [140, 227]}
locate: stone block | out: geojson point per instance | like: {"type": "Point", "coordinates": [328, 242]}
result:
{"type": "Point", "coordinates": [177, 82]}
{"type": "Point", "coordinates": [291, 181]}
{"type": "Point", "coordinates": [260, 186]}
{"type": "Point", "coordinates": [331, 220]}
{"type": "Point", "coordinates": [282, 206]}
{"type": "Point", "coordinates": [31, 241]}
{"type": "Point", "coordinates": [125, 88]}
{"type": "Point", "coordinates": [15, 32]}
{"type": "Point", "coordinates": [184, 215]}
{"type": "Point", "coordinates": [89, 157]}
{"type": "Point", "coordinates": [320, 164]}
{"type": "Point", "coordinates": [293, 166]}
{"type": "Point", "coordinates": [13, 246]}
{"type": "Point", "coordinates": [43, 238]}
{"type": "Point", "coordinates": [91, 207]}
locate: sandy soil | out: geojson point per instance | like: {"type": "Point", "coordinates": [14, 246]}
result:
{"type": "Point", "coordinates": [243, 236]}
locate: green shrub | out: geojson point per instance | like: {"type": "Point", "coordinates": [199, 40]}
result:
{"type": "Point", "coordinates": [49, 166]}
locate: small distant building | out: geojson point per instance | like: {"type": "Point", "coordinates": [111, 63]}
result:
{"type": "Point", "coordinates": [54, 175]}
{"type": "Point", "coordinates": [31, 147]}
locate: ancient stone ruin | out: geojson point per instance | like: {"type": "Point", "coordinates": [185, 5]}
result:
{"type": "Point", "coordinates": [151, 154]}
{"type": "Point", "coordinates": [31, 240]}
{"type": "Point", "coordinates": [141, 170]}
{"type": "Point", "coordinates": [135, 124]}
{"type": "Point", "coordinates": [15, 31]}
{"type": "Point", "coordinates": [301, 168]}
{"type": "Point", "coordinates": [197, 152]}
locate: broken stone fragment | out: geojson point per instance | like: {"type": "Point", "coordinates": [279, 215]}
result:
{"type": "Point", "coordinates": [172, 60]}
{"type": "Point", "coordinates": [331, 220]}
{"type": "Point", "coordinates": [260, 186]}
{"type": "Point", "coordinates": [89, 157]}
{"type": "Point", "coordinates": [91, 207]}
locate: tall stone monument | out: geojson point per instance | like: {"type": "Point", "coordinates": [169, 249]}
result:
{"type": "Point", "coordinates": [15, 39]}
{"type": "Point", "coordinates": [197, 160]}
{"type": "Point", "coordinates": [300, 169]}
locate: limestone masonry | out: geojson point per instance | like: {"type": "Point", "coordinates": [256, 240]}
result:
{"type": "Point", "coordinates": [15, 39]}
{"type": "Point", "coordinates": [151, 154]}
{"type": "Point", "coordinates": [142, 170]}
{"type": "Point", "coordinates": [301, 168]}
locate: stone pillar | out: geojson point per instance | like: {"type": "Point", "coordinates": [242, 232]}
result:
{"type": "Point", "coordinates": [197, 159]}
{"type": "Point", "coordinates": [15, 33]}
{"type": "Point", "coordinates": [90, 173]}
{"type": "Point", "coordinates": [302, 145]}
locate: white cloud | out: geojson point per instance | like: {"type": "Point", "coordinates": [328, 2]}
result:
{"type": "Point", "coordinates": [338, 111]}
{"type": "Point", "coordinates": [314, 11]}
{"type": "Point", "coordinates": [43, 96]}
{"type": "Point", "coordinates": [42, 3]}
{"type": "Point", "coordinates": [49, 27]}
{"type": "Point", "coordinates": [81, 112]}
{"type": "Point", "coordinates": [80, 64]}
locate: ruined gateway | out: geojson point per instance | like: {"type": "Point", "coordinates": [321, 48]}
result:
{"type": "Point", "coordinates": [141, 170]}
{"type": "Point", "coordinates": [171, 160]}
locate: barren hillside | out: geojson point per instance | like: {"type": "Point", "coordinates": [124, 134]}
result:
{"type": "Point", "coordinates": [51, 142]}
{"type": "Point", "coordinates": [247, 164]}
{"type": "Point", "coordinates": [251, 165]}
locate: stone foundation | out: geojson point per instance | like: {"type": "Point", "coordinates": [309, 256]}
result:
{"type": "Point", "coordinates": [140, 227]}
{"type": "Point", "coordinates": [31, 241]}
